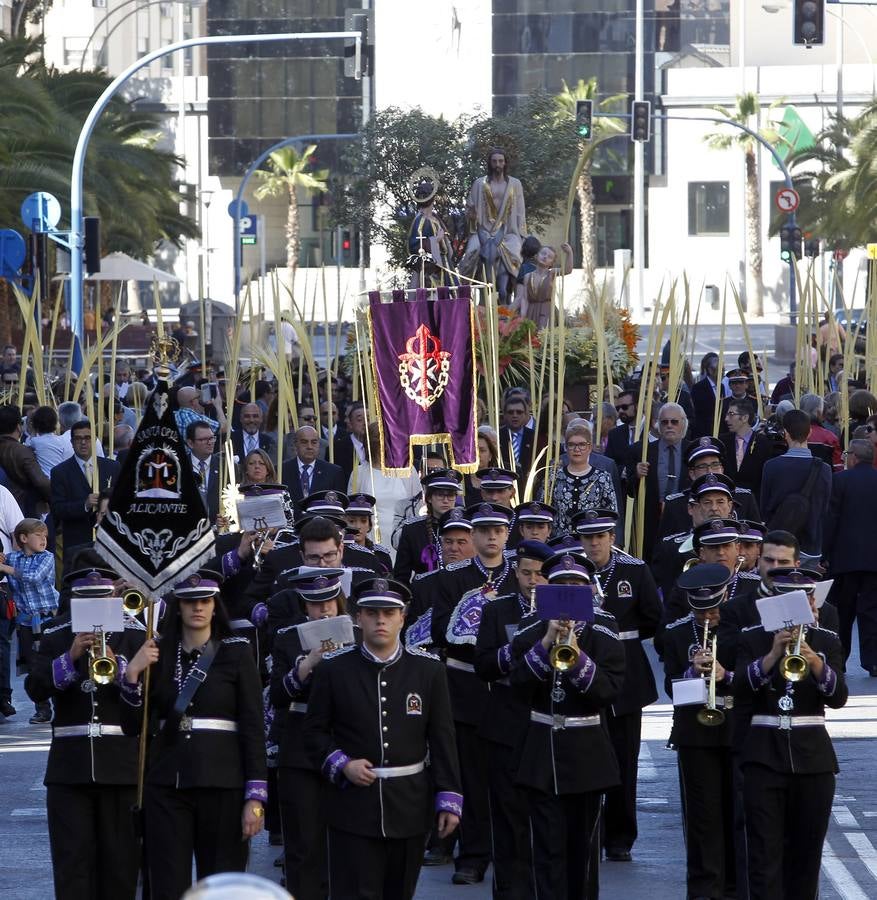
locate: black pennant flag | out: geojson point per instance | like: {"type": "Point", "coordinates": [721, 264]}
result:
{"type": "Point", "coordinates": [156, 530]}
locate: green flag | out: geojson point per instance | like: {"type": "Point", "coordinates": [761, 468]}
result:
{"type": "Point", "coordinates": [795, 136]}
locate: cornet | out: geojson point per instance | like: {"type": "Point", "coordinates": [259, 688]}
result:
{"type": "Point", "coordinates": [133, 601]}
{"type": "Point", "coordinates": [794, 666]}
{"type": "Point", "coordinates": [102, 668]}
{"type": "Point", "coordinates": [710, 715]}
{"type": "Point", "coordinates": [565, 652]}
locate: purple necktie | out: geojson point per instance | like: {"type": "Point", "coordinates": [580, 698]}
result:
{"type": "Point", "coordinates": [305, 481]}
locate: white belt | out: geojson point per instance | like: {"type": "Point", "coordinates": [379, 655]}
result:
{"type": "Point", "coordinates": [187, 724]}
{"type": "Point", "coordinates": [398, 771]}
{"type": "Point", "coordinates": [459, 664]}
{"type": "Point", "coordinates": [94, 729]}
{"type": "Point", "coordinates": [560, 722]}
{"type": "Point", "coordinates": [298, 707]}
{"type": "Point", "coordinates": [628, 635]}
{"type": "Point", "coordinates": [784, 723]}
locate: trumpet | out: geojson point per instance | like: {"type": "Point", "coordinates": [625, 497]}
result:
{"type": "Point", "coordinates": [102, 668]}
{"type": "Point", "coordinates": [794, 666]}
{"type": "Point", "coordinates": [261, 538]}
{"type": "Point", "coordinates": [710, 715]}
{"type": "Point", "coordinates": [133, 601]}
{"type": "Point", "coordinates": [565, 652]}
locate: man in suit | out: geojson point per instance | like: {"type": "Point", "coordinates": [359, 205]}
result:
{"type": "Point", "coordinates": [624, 434]}
{"type": "Point", "coordinates": [849, 549]}
{"type": "Point", "coordinates": [351, 444]}
{"type": "Point", "coordinates": [661, 473]}
{"type": "Point", "coordinates": [24, 477]}
{"type": "Point", "coordinates": [738, 384]}
{"type": "Point", "coordinates": [516, 439]}
{"type": "Point", "coordinates": [74, 501]}
{"type": "Point", "coordinates": [307, 415]}
{"type": "Point", "coordinates": [305, 474]}
{"type": "Point", "coordinates": [250, 436]}
{"type": "Point", "coordinates": [703, 396]}
{"type": "Point", "coordinates": [744, 451]}
{"type": "Point", "coordinates": [201, 442]}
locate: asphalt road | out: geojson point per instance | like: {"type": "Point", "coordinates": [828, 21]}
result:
{"type": "Point", "coordinates": [849, 869]}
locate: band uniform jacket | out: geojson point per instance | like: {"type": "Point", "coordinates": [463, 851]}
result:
{"type": "Point", "coordinates": [574, 760]}
{"type": "Point", "coordinates": [99, 758]}
{"type": "Point", "coordinates": [675, 517]}
{"type": "Point", "coordinates": [668, 560]}
{"type": "Point", "coordinates": [456, 615]}
{"type": "Point", "coordinates": [795, 751]}
{"type": "Point", "coordinates": [232, 692]}
{"type": "Point", "coordinates": [393, 714]}
{"type": "Point", "coordinates": [682, 639]}
{"type": "Point", "coordinates": [416, 536]}
{"type": "Point", "coordinates": [507, 713]}
{"type": "Point", "coordinates": [631, 596]}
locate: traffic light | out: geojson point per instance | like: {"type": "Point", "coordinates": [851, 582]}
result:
{"type": "Point", "coordinates": [584, 118]}
{"type": "Point", "coordinates": [811, 246]}
{"type": "Point", "coordinates": [640, 120]}
{"type": "Point", "coordinates": [809, 22]}
{"type": "Point", "coordinates": [346, 245]}
{"type": "Point", "coordinates": [790, 243]}
{"type": "Point", "coordinates": [92, 244]}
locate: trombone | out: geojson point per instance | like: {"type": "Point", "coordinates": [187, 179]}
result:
{"type": "Point", "coordinates": [565, 652]}
{"type": "Point", "coordinates": [794, 665]}
{"type": "Point", "coordinates": [710, 715]}
{"type": "Point", "coordinates": [102, 668]}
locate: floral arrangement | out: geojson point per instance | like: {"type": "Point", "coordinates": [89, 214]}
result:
{"type": "Point", "coordinates": [515, 338]}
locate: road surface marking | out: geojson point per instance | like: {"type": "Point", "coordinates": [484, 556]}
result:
{"type": "Point", "coordinates": [647, 770]}
{"type": "Point", "coordinates": [844, 817]}
{"type": "Point", "coordinates": [839, 875]}
{"type": "Point", "coordinates": [28, 811]}
{"type": "Point", "coordinates": [865, 849]}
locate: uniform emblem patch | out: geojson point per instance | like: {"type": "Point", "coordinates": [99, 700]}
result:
{"type": "Point", "coordinates": [413, 705]}
{"type": "Point", "coordinates": [625, 589]}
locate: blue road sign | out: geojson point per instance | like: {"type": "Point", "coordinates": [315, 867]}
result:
{"type": "Point", "coordinates": [244, 210]}
{"type": "Point", "coordinates": [40, 211]}
{"type": "Point", "coordinates": [13, 252]}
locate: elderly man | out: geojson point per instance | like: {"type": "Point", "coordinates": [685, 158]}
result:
{"type": "Point", "coordinates": [250, 436]}
{"type": "Point", "coordinates": [662, 472]}
{"type": "Point", "coordinates": [190, 410]}
{"type": "Point", "coordinates": [305, 474]}
{"type": "Point", "coordinates": [814, 406]}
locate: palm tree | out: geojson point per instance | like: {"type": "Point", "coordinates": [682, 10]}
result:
{"type": "Point", "coordinates": [746, 108]}
{"type": "Point", "coordinates": [603, 129]}
{"type": "Point", "coordinates": [287, 173]}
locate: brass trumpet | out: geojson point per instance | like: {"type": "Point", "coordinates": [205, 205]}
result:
{"type": "Point", "coordinates": [565, 652]}
{"type": "Point", "coordinates": [710, 715]}
{"type": "Point", "coordinates": [794, 666]}
{"type": "Point", "coordinates": [133, 601]}
{"type": "Point", "coordinates": [102, 668]}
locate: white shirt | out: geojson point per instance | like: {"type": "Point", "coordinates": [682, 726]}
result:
{"type": "Point", "coordinates": [50, 449]}
{"type": "Point", "coordinates": [359, 447]}
{"type": "Point", "coordinates": [392, 495]}
{"type": "Point", "coordinates": [10, 516]}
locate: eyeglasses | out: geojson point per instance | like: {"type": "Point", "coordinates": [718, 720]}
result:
{"type": "Point", "coordinates": [308, 418]}
{"type": "Point", "coordinates": [205, 440]}
{"type": "Point", "coordinates": [621, 406]}
{"type": "Point", "coordinates": [669, 421]}
{"type": "Point", "coordinates": [715, 466]}
{"type": "Point", "coordinates": [869, 429]}
{"type": "Point", "coordinates": [578, 446]}
{"type": "Point", "coordinates": [313, 559]}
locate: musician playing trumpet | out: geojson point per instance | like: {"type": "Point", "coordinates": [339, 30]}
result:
{"type": "Point", "coordinates": [701, 732]}
{"type": "Point", "coordinates": [789, 764]}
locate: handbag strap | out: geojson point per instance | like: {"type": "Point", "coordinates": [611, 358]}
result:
{"type": "Point", "coordinates": [197, 676]}
{"type": "Point", "coordinates": [811, 477]}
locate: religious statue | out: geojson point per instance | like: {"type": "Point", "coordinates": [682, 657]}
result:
{"type": "Point", "coordinates": [497, 223]}
{"type": "Point", "coordinates": [431, 255]}
{"type": "Point", "coordinates": [535, 294]}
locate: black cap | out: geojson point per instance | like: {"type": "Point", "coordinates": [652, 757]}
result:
{"type": "Point", "coordinates": [716, 531]}
{"type": "Point", "coordinates": [93, 573]}
{"type": "Point", "coordinates": [488, 514]}
{"type": "Point", "coordinates": [736, 375]}
{"type": "Point", "coordinates": [454, 518]}
{"type": "Point", "coordinates": [711, 482]}
{"type": "Point", "coordinates": [496, 479]}
{"type": "Point", "coordinates": [594, 521]}
{"type": "Point", "coordinates": [535, 511]}
{"type": "Point", "coordinates": [442, 479]}
{"type": "Point", "coordinates": [381, 593]}
{"type": "Point", "coordinates": [794, 578]}
{"type": "Point", "coordinates": [752, 531]}
{"type": "Point", "coordinates": [534, 550]}
{"type": "Point", "coordinates": [705, 585]}
{"type": "Point", "coordinates": [315, 587]}
{"type": "Point", "coordinates": [564, 542]}
{"type": "Point", "coordinates": [705, 446]}
{"type": "Point", "coordinates": [361, 504]}
{"type": "Point", "coordinates": [196, 588]}
{"type": "Point", "coordinates": [568, 564]}
{"type": "Point", "coordinates": [323, 503]}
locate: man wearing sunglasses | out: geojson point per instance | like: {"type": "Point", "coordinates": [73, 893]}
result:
{"type": "Point", "coordinates": [626, 432]}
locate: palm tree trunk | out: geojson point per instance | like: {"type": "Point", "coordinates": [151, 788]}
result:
{"type": "Point", "coordinates": [292, 234]}
{"type": "Point", "coordinates": [588, 222]}
{"type": "Point", "coordinates": [754, 280]}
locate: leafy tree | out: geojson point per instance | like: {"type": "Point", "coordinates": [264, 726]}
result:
{"type": "Point", "coordinates": [288, 172]}
{"type": "Point", "coordinates": [744, 113]}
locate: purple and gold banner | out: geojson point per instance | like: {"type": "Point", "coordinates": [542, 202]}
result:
{"type": "Point", "coordinates": [424, 370]}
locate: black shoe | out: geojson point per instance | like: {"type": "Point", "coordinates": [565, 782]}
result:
{"type": "Point", "coordinates": [6, 708]}
{"type": "Point", "coordinates": [275, 839]}
{"type": "Point", "coordinates": [467, 875]}
{"type": "Point", "coordinates": [618, 854]}
{"type": "Point", "coordinates": [40, 717]}
{"type": "Point", "coordinates": [435, 856]}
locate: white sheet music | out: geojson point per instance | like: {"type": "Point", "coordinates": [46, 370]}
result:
{"type": "Point", "coordinates": [93, 613]}
{"type": "Point", "coordinates": [338, 630]}
{"type": "Point", "coordinates": [689, 691]}
{"type": "Point", "coordinates": [259, 513]}
{"type": "Point", "coordinates": [784, 611]}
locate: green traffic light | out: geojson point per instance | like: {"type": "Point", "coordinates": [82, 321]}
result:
{"type": "Point", "coordinates": [584, 131]}
{"type": "Point", "coordinates": [786, 255]}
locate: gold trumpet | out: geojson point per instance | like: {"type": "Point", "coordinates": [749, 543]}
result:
{"type": "Point", "coordinates": [565, 652]}
{"type": "Point", "coordinates": [102, 668]}
{"type": "Point", "coordinates": [794, 666]}
{"type": "Point", "coordinates": [133, 601]}
{"type": "Point", "coordinates": [710, 715]}
{"type": "Point", "coordinates": [690, 563]}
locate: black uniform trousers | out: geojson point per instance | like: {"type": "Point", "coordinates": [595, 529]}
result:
{"type": "Point", "coordinates": [707, 788]}
{"type": "Point", "coordinates": [565, 832]}
{"type": "Point", "coordinates": [855, 596]}
{"type": "Point", "coordinates": [180, 822]}
{"type": "Point", "coordinates": [509, 827]}
{"type": "Point", "coordinates": [95, 851]}
{"type": "Point", "coordinates": [369, 868]}
{"type": "Point", "coordinates": [619, 812]}
{"type": "Point", "coordinates": [303, 817]}
{"type": "Point", "coordinates": [474, 847]}
{"type": "Point", "coordinates": [742, 862]}
{"type": "Point", "coordinates": [786, 823]}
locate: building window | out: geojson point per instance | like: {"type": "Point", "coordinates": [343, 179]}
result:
{"type": "Point", "coordinates": [74, 47]}
{"type": "Point", "coordinates": [165, 10]}
{"type": "Point", "coordinates": [99, 4]}
{"type": "Point", "coordinates": [708, 212]}
{"type": "Point", "coordinates": [142, 46]}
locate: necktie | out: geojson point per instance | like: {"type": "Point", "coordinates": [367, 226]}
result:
{"type": "Point", "coordinates": [741, 451]}
{"type": "Point", "coordinates": [250, 444]}
{"type": "Point", "coordinates": [516, 446]}
{"type": "Point", "coordinates": [305, 481]}
{"type": "Point", "coordinates": [202, 468]}
{"type": "Point", "coordinates": [86, 468]}
{"type": "Point", "coordinates": [671, 470]}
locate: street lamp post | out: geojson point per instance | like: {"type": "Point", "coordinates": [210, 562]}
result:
{"type": "Point", "coordinates": [76, 181]}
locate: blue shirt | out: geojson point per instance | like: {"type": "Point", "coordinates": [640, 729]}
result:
{"type": "Point", "coordinates": [33, 585]}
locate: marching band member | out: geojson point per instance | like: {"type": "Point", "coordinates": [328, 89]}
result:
{"type": "Point", "coordinates": [360, 516]}
{"type": "Point", "coordinates": [377, 714]}
{"type": "Point", "coordinates": [703, 742]}
{"type": "Point", "coordinates": [206, 772]}
{"type": "Point", "coordinates": [788, 762]}
{"type": "Point", "coordinates": [534, 521]}
{"type": "Point", "coordinates": [91, 774]}
{"type": "Point", "coordinates": [567, 761]}
{"type": "Point", "coordinates": [628, 593]}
